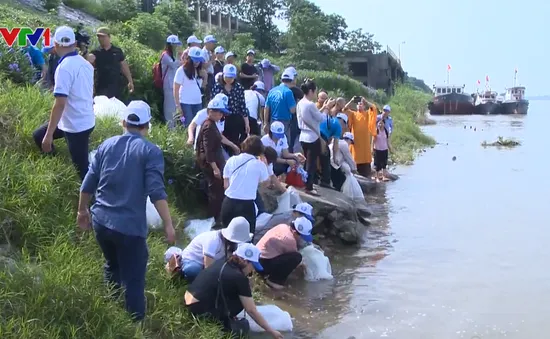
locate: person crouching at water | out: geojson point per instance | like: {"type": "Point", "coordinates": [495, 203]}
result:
{"type": "Point", "coordinates": [242, 175]}
{"type": "Point", "coordinates": [342, 162]}
{"type": "Point", "coordinates": [125, 171]}
{"type": "Point", "coordinates": [382, 147]}
{"type": "Point", "coordinates": [206, 248]}
{"type": "Point", "coordinates": [276, 139]}
{"type": "Point", "coordinates": [269, 158]}
{"type": "Point", "coordinates": [279, 247]}
{"type": "Point", "coordinates": [222, 290]}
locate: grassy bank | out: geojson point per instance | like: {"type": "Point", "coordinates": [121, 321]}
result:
{"type": "Point", "coordinates": [54, 288]}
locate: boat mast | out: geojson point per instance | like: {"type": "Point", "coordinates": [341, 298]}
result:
{"type": "Point", "coordinates": [515, 76]}
{"type": "Point", "coordinates": [448, 75]}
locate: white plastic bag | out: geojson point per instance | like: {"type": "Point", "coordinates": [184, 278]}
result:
{"type": "Point", "coordinates": [154, 220]}
{"type": "Point", "coordinates": [198, 226]}
{"type": "Point", "coordinates": [317, 264]}
{"type": "Point", "coordinates": [287, 200]}
{"type": "Point", "coordinates": [352, 189]}
{"type": "Point", "coordinates": [262, 221]}
{"type": "Point", "coordinates": [278, 319]}
{"type": "Point", "coordinates": [104, 107]}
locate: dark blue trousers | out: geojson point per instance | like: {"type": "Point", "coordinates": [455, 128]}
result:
{"type": "Point", "coordinates": [125, 266]}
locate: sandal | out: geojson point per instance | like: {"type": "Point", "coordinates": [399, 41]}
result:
{"type": "Point", "coordinates": [312, 192]}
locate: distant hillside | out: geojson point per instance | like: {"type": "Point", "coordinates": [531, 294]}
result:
{"type": "Point", "coordinates": [418, 84]}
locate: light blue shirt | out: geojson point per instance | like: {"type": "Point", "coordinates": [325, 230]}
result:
{"type": "Point", "coordinates": [125, 171]}
{"type": "Point", "coordinates": [280, 101]}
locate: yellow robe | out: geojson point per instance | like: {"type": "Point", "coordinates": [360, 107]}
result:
{"type": "Point", "coordinates": [363, 127]}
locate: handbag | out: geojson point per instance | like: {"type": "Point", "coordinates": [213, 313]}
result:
{"type": "Point", "coordinates": [238, 327]}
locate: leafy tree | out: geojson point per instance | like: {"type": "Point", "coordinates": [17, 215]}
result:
{"type": "Point", "coordinates": [147, 29]}
{"type": "Point", "coordinates": [336, 30]}
{"type": "Point", "coordinates": [118, 10]}
{"type": "Point", "coordinates": [259, 15]}
{"type": "Point", "coordinates": [177, 18]}
{"type": "Point", "coordinates": [359, 41]}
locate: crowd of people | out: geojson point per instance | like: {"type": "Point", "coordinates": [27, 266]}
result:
{"type": "Point", "coordinates": [246, 131]}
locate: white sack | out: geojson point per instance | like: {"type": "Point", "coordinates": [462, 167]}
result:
{"type": "Point", "coordinates": [198, 226]}
{"type": "Point", "coordinates": [317, 264]}
{"type": "Point", "coordinates": [352, 189]}
{"type": "Point", "coordinates": [105, 107]}
{"type": "Point", "coordinates": [286, 200]}
{"type": "Point", "coordinates": [154, 220]}
{"type": "Point", "coordinates": [278, 319]}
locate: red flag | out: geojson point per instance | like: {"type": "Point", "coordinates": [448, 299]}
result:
{"type": "Point", "coordinates": [448, 67]}
{"type": "Point", "coordinates": [478, 82]}
{"type": "Point", "coordinates": [516, 70]}
{"type": "Point", "coordinates": [487, 78]}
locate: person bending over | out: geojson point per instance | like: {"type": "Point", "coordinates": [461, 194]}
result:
{"type": "Point", "coordinates": [277, 140]}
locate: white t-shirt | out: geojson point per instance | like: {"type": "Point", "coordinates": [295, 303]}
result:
{"type": "Point", "coordinates": [269, 172]}
{"type": "Point", "coordinates": [208, 243]}
{"type": "Point", "coordinates": [253, 99]}
{"type": "Point", "coordinates": [244, 180]}
{"type": "Point", "coordinates": [307, 112]}
{"type": "Point", "coordinates": [74, 79]}
{"type": "Point", "coordinates": [199, 119]}
{"type": "Point", "coordinates": [207, 55]}
{"type": "Point", "coordinates": [190, 92]}
{"type": "Point", "coordinates": [279, 146]}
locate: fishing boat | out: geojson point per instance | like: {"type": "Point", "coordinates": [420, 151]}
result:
{"type": "Point", "coordinates": [514, 101]}
{"type": "Point", "coordinates": [451, 99]}
{"type": "Point", "coordinates": [486, 103]}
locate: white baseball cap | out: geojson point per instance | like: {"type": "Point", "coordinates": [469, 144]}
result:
{"type": "Point", "coordinates": [342, 116]}
{"type": "Point", "coordinates": [64, 36]}
{"type": "Point", "coordinates": [210, 38]}
{"type": "Point", "coordinates": [218, 76]}
{"type": "Point", "coordinates": [277, 129]}
{"type": "Point", "coordinates": [219, 50]}
{"type": "Point", "coordinates": [306, 209]}
{"type": "Point", "coordinates": [238, 230]}
{"type": "Point", "coordinates": [304, 227]}
{"type": "Point", "coordinates": [230, 54]}
{"type": "Point", "coordinates": [139, 109]}
{"type": "Point", "coordinates": [173, 39]}
{"type": "Point", "coordinates": [250, 51]}
{"type": "Point", "coordinates": [293, 70]}
{"type": "Point", "coordinates": [171, 252]}
{"type": "Point", "coordinates": [348, 136]}
{"type": "Point", "coordinates": [193, 40]}
{"type": "Point", "coordinates": [196, 54]}
{"type": "Point", "coordinates": [230, 71]}
{"type": "Point", "coordinates": [219, 103]}
{"type": "Point", "coordinates": [387, 108]}
{"type": "Point", "coordinates": [259, 85]}
{"type": "Point", "coordinates": [251, 254]}
{"type": "Point", "coordinates": [288, 74]}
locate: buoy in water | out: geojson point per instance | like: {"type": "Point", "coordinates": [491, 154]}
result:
{"type": "Point", "coordinates": [454, 158]}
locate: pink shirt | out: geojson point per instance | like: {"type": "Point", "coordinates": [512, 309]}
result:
{"type": "Point", "coordinates": [278, 240]}
{"type": "Point", "coordinates": [381, 140]}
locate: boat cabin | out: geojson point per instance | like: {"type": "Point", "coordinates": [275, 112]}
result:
{"type": "Point", "coordinates": [514, 94]}
{"type": "Point", "coordinates": [448, 89]}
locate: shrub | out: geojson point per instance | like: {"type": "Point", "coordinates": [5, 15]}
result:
{"type": "Point", "coordinates": [177, 18]}
{"type": "Point", "coordinates": [117, 10]}
{"type": "Point", "coordinates": [92, 7]}
{"type": "Point", "coordinates": [51, 4]}
{"type": "Point", "coordinates": [148, 29]}
{"type": "Point", "coordinates": [15, 65]}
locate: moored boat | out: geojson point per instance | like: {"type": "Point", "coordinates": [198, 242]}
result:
{"type": "Point", "coordinates": [486, 103]}
{"type": "Point", "coordinates": [514, 101]}
{"type": "Point", "coordinates": [451, 99]}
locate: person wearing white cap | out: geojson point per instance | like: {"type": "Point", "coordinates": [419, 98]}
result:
{"type": "Point", "coordinates": [219, 52]}
{"type": "Point", "coordinates": [276, 139]}
{"type": "Point", "coordinates": [341, 161]}
{"type": "Point", "coordinates": [188, 85]}
{"type": "Point", "coordinates": [267, 72]}
{"type": "Point", "coordinates": [208, 247]}
{"type": "Point", "coordinates": [208, 50]}
{"type": "Point", "coordinates": [192, 41]}
{"type": "Point", "coordinates": [303, 209]}
{"type": "Point", "coordinates": [248, 73]}
{"type": "Point", "coordinates": [255, 102]}
{"type": "Point", "coordinates": [125, 171]}
{"type": "Point", "coordinates": [169, 63]}
{"type": "Point", "coordinates": [279, 249]}
{"type": "Point", "coordinates": [72, 115]}
{"type": "Point", "coordinates": [280, 104]}
{"type": "Point", "coordinates": [331, 129]}
{"type": "Point", "coordinates": [209, 153]}
{"type": "Point", "coordinates": [223, 290]}
{"type": "Point", "coordinates": [230, 58]}
{"type": "Point", "coordinates": [388, 120]}
{"type": "Point", "coordinates": [237, 125]}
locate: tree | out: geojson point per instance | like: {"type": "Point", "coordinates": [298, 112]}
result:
{"type": "Point", "coordinates": [259, 15]}
{"type": "Point", "coordinates": [359, 41]}
{"type": "Point", "coordinates": [177, 18]}
{"type": "Point", "coordinates": [336, 30]}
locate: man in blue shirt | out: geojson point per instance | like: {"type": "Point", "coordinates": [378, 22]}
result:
{"type": "Point", "coordinates": [125, 171]}
{"type": "Point", "coordinates": [331, 131]}
{"type": "Point", "coordinates": [388, 121]}
{"type": "Point", "coordinates": [37, 61]}
{"type": "Point", "coordinates": [280, 104]}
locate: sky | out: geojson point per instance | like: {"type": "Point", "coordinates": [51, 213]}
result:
{"type": "Point", "coordinates": [476, 38]}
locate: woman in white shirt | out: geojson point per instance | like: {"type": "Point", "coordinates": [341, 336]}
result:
{"type": "Point", "coordinates": [309, 121]}
{"type": "Point", "coordinates": [276, 139]}
{"type": "Point", "coordinates": [170, 62]}
{"type": "Point", "coordinates": [341, 161]}
{"type": "Point", "coordinates": [242, 176]}
{"type": "Point", "coordinates": [206, 248]}
{"type": "Point", "coordinates": [188, 84]}
{"type": "Point", "coordinates": [255, 102]}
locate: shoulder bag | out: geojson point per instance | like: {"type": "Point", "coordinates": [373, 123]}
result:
{"type": "Point", "coordinates": [239, 327]}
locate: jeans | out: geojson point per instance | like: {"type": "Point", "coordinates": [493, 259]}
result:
{"type": "Point", "coordinates": [190, 270]}
{"type": "Point", "coordinates": [311, 152]}
{"type": "Point", "coordinates": [78, 144]}
{"type": "Point", "coordinates": [279, 268]}
{"type": "Point", "coordinates": [189, 112]}
{"type": "Point", "coordinates": [125, 266]}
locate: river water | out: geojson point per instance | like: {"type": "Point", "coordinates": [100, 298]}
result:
{"type": "Point", "coordinates": [457, 249]}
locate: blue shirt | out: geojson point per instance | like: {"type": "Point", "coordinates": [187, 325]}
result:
{"type": "Point", "coordinates": [37, 58]}
{"type": "Point", "coordinates": [331, 128]}
{"type": "Point", "coordinates": [280, 101]}
{"type": "Point", "coordinates": [388, 122]}
{"type": "Point", "coordinates": [124, 171]}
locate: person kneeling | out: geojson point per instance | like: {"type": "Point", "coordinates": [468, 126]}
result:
{"type": "Point", "coordinates": [222, 291]}
{"type": "Point", "coordinates": [279, 247]}
{"type": "Point", "coordinates": [206, 248]}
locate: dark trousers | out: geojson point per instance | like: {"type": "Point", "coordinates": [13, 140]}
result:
{"type": "Point", "coordinates": [254, 127]}
{"type": "Point", "coordinates": [325, 164]}
{"type": "Point", "coordinates": [232, 208]}
{"type": "Point", "coordinates": [311, 152]}
{"type": "Point", "coordinates": [234, 131]}
{"type": "Point", "coordinates": [364, 170]}
{"type": "Point", "coordinates": [215, 192]}
{"type": "Point", "coordinates": [78, 144]}
{"type": "Point", "coordinates": [125, 266]}
{"type": "Point", "coordinates": [279, 268]}
{"type": "Point", "coordinates": [279, 169]}
{"type": "Point", "coordinates": [294, 133]}
{"type": "Point", "coordinates": [209, 86]}
{"type": "Point", "coordinates": [113, 90]}
{"type": "Point", "coordinates": [338, 177]}
{"type": "Point", "coordinates": [380, 159]}
{"type": "Point", "coordinates": [259, 203]}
